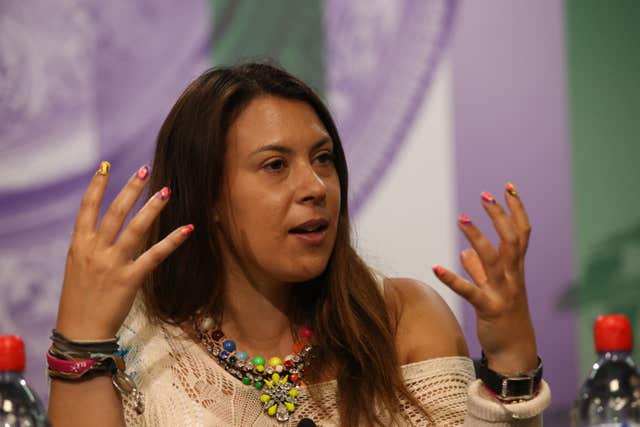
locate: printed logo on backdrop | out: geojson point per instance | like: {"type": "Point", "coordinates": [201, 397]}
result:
{"type": "Point", "coordinates": [381, 58]}
{"type": "Point", "coordinates": [82, 81]}
{"type": "Point", "coordinates": [85, 81]}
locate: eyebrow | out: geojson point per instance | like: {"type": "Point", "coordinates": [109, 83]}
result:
{"type": "Point", "coordinates": [286, 150]}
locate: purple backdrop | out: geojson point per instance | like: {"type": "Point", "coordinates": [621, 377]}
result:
{"type": "Point", "coordinates": [510, 115]}
{"type": "Point", "coordinates": [82, 81]}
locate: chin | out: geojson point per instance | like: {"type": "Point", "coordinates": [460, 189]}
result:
{"type": "Point", "coordinates": [305, 271]}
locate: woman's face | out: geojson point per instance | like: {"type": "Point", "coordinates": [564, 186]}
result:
{"type": "Point", "coordinates": [283, 193]}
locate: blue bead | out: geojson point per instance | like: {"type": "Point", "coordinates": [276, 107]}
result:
{"type": "Point", "coordinates": [242, 356]}
{"type": "Point", "coordinates": [229, 345]}
{"type": "Point", "coordinates": [223, 355]}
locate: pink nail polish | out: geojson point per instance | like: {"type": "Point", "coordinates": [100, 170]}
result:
{"type": "Point", "coordinates": [437, 270]}
{"type": "Point", "coordinates": [488, 197]}
{"type": "Point", "coordinates": [164, 193]}
{"type": "Point", "coordinates": [465, 220]}
{"type": "Point", "coordinates": [187, 229]}
{"type": "Point", "coordinates": [143, 172]}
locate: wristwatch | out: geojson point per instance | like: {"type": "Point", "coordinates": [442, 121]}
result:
{"type": "Point", "coordinates": [520, 386]}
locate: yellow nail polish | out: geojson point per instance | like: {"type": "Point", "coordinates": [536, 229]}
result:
{"type": "Point", "coordinates": [104, 168]}
{"type": "Point", "coordinates": [511, 189]}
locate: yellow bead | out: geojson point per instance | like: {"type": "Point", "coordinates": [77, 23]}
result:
{"type": "Point", "coordinates": [269, 383]}
{"type": "Point", "coordinates": [284, 380]}
{"type": "Point", "coordinates": [275, 361]}
{"type": "Point", "coordinates": [265, 398]}
{"type": "Point", "coordinates": [290, 406]}
{"type": "Point", "coordinates": [293, 392]}
{"type": "Point", "coordinates": [260, 368]}
{"type": "Point", "coordinates": [272, 410]}
{"type": "Point", "coordinates": [275, 377]}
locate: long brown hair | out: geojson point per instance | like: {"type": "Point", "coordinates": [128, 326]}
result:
{"type": "Point", "coordinates": [353, 329]}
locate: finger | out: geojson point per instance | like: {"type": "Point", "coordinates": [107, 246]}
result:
{"type": "Point", "coordinates": [119, 209]}
{"type": "Point", "coordinates": [473, 266]}
{"type": "Point", "coordinates": [509, 248]}
{"type": "Point", "coordinates": [159, 252]}
{"type": "Point", "coordinates": [90, 205]}
{"type": "Point", "coordinates": [518, 215]}
{"type": "Point", "coordinates": [132, 236]}
{"type": "Point", "coordinates": [483, 247]}
{"type": "Point", "coordinates": [462, 287]}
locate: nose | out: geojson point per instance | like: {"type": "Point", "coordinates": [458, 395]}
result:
{"type": "Point", "coordinates": [311, 187]}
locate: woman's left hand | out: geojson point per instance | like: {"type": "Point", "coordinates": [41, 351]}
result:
{"type": "Point", "coordinates": [498, 292]}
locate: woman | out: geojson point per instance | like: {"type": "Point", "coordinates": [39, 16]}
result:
{"type": "Point", "coordinates": [244, 249]}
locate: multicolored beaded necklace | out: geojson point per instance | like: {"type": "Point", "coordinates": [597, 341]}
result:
{"type": "Point", "coordinates": [279, 380]}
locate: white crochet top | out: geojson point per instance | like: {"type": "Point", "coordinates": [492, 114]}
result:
{"type": "Point", "coordinates": [184, 386]}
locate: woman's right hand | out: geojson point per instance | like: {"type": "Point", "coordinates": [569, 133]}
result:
{"type": "Point", "coordinates": [102, 274]}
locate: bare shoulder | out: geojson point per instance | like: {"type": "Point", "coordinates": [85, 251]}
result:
{"type": "Point", "coordinates": [426, 326]}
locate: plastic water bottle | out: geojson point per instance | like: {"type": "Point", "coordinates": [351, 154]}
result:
{"type": "Point", "coordinates": [19, 406]}
{"type": "Point", "coordinates": [611, 394]}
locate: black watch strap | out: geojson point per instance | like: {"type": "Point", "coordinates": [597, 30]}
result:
{"type": "Point", "coordinates": [520, 386]}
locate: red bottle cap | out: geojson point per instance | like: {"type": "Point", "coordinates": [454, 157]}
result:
{"type": "Point", "coordinates": [612, 332]}
{"type": "Point", "coordinates": [12, 356]}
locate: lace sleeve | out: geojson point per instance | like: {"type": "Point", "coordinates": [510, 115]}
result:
{"type": "Point", "coordinates": [130, 338]}
{"type": "Point", "coordinates": [441, 386]}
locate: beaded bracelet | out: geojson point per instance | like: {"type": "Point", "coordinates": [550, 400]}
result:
{"type": "Point", "coordinates": [80, 360]}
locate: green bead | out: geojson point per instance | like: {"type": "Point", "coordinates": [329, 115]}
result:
{"type": "Point", "coordinates": [258, 385]}
{"type": "Point", "coordinates": [258, 360]}
{"type": "Point", "coordinates": [246, 381]}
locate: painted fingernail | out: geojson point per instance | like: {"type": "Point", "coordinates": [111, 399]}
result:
{"type": "Point", "coordinates": [187, 229]}
{"type": "Point", "coordinates": [488, 197]}
{"type": "Point", "coordinates": [465, 220]}
{"type": "Point", "coordinates": [437, 270]}
{"type": "Point", "coordinates": [164, 193]}
{"type": "Point", "coordinates": [104, 168]}
{"type": "Point", "coordinates": [511, 189]}
{"type": "Point", "coordinates": [143, 172]}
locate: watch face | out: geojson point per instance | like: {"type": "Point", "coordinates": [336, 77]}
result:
{"type": "Point", "coordinates": [517, 387]}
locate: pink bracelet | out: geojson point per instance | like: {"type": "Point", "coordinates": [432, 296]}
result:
{"type": "Point", "coordinates": [70, 366]}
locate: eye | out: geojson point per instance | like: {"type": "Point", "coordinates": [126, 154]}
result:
{"type": "Point", "coordinates": [325, 158]}
{"type": "Point", "coordinates": [275, 165]}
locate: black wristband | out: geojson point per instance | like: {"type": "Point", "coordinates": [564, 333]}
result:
{"type": "Point", "coordinates": [106, 346]}
{"type": "Point", "coordinates": [520, 386]}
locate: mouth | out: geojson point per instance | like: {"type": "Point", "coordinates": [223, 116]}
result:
{"type": "Point", "coordinates": [312, 226]}
{"type": "Point", "coordinates": [311, 232]}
